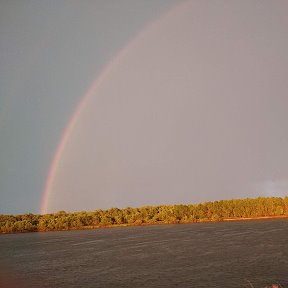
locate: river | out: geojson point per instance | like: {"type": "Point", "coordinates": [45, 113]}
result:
{"type": "Point", "coordinates": [223, 254]}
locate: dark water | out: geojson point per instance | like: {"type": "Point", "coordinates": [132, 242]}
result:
{"type": "Point", "coordinates": [192, 255]}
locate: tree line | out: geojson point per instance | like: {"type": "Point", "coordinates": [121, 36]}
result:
{"type": "Point", "coordinates": [163, 214]}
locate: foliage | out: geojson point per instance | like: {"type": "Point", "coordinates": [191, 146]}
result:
{"type": "Point", "coordinates": [209, 211]}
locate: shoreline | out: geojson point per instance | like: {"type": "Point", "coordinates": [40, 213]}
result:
{"type": "Point", "coordinates": [235, 219]}
{"type": "Point", "coordinates": [247, 209]}
{"type": "Point", "coordinates": [256, 218]}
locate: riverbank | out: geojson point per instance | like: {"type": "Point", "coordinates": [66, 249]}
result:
{"type": "Point", "coordinates": [217, 211]}
{"type": "Point", "coordinates": [256, 218]}
{"type": "Point", "coordinates": [155, 224]}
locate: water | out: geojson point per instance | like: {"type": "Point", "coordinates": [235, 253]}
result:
{"type": "Point", "coordinates": [222, 254]}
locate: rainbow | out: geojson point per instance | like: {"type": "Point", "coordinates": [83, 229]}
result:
{"type": "Point", "coordinates": [104, 74]}
{"type": "Point", "coordinates": [71, 125]}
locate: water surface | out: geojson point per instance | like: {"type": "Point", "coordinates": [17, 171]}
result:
{"type": "Point", "coordinates": [223, 254]}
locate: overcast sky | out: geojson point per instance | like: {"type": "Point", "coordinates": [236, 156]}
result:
{"type": "Point", "coordinates": [193, 105]}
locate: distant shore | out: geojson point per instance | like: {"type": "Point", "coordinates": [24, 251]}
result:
{"type": "Point", "coordinates": [179, 223]}
{"type": "Point", "coordinates": [218, 211]}
{"type": "Point", "coordinates": [162, 223]}
{"type": "Point", "coordinates": [188, 222]}
{"type": "Point", "coordinates": [151, 224]}
{"type": "Point", "coordinates": [154, 224]}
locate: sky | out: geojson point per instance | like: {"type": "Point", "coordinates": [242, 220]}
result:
{"type": "Point", "coordinates": [132, 103]}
